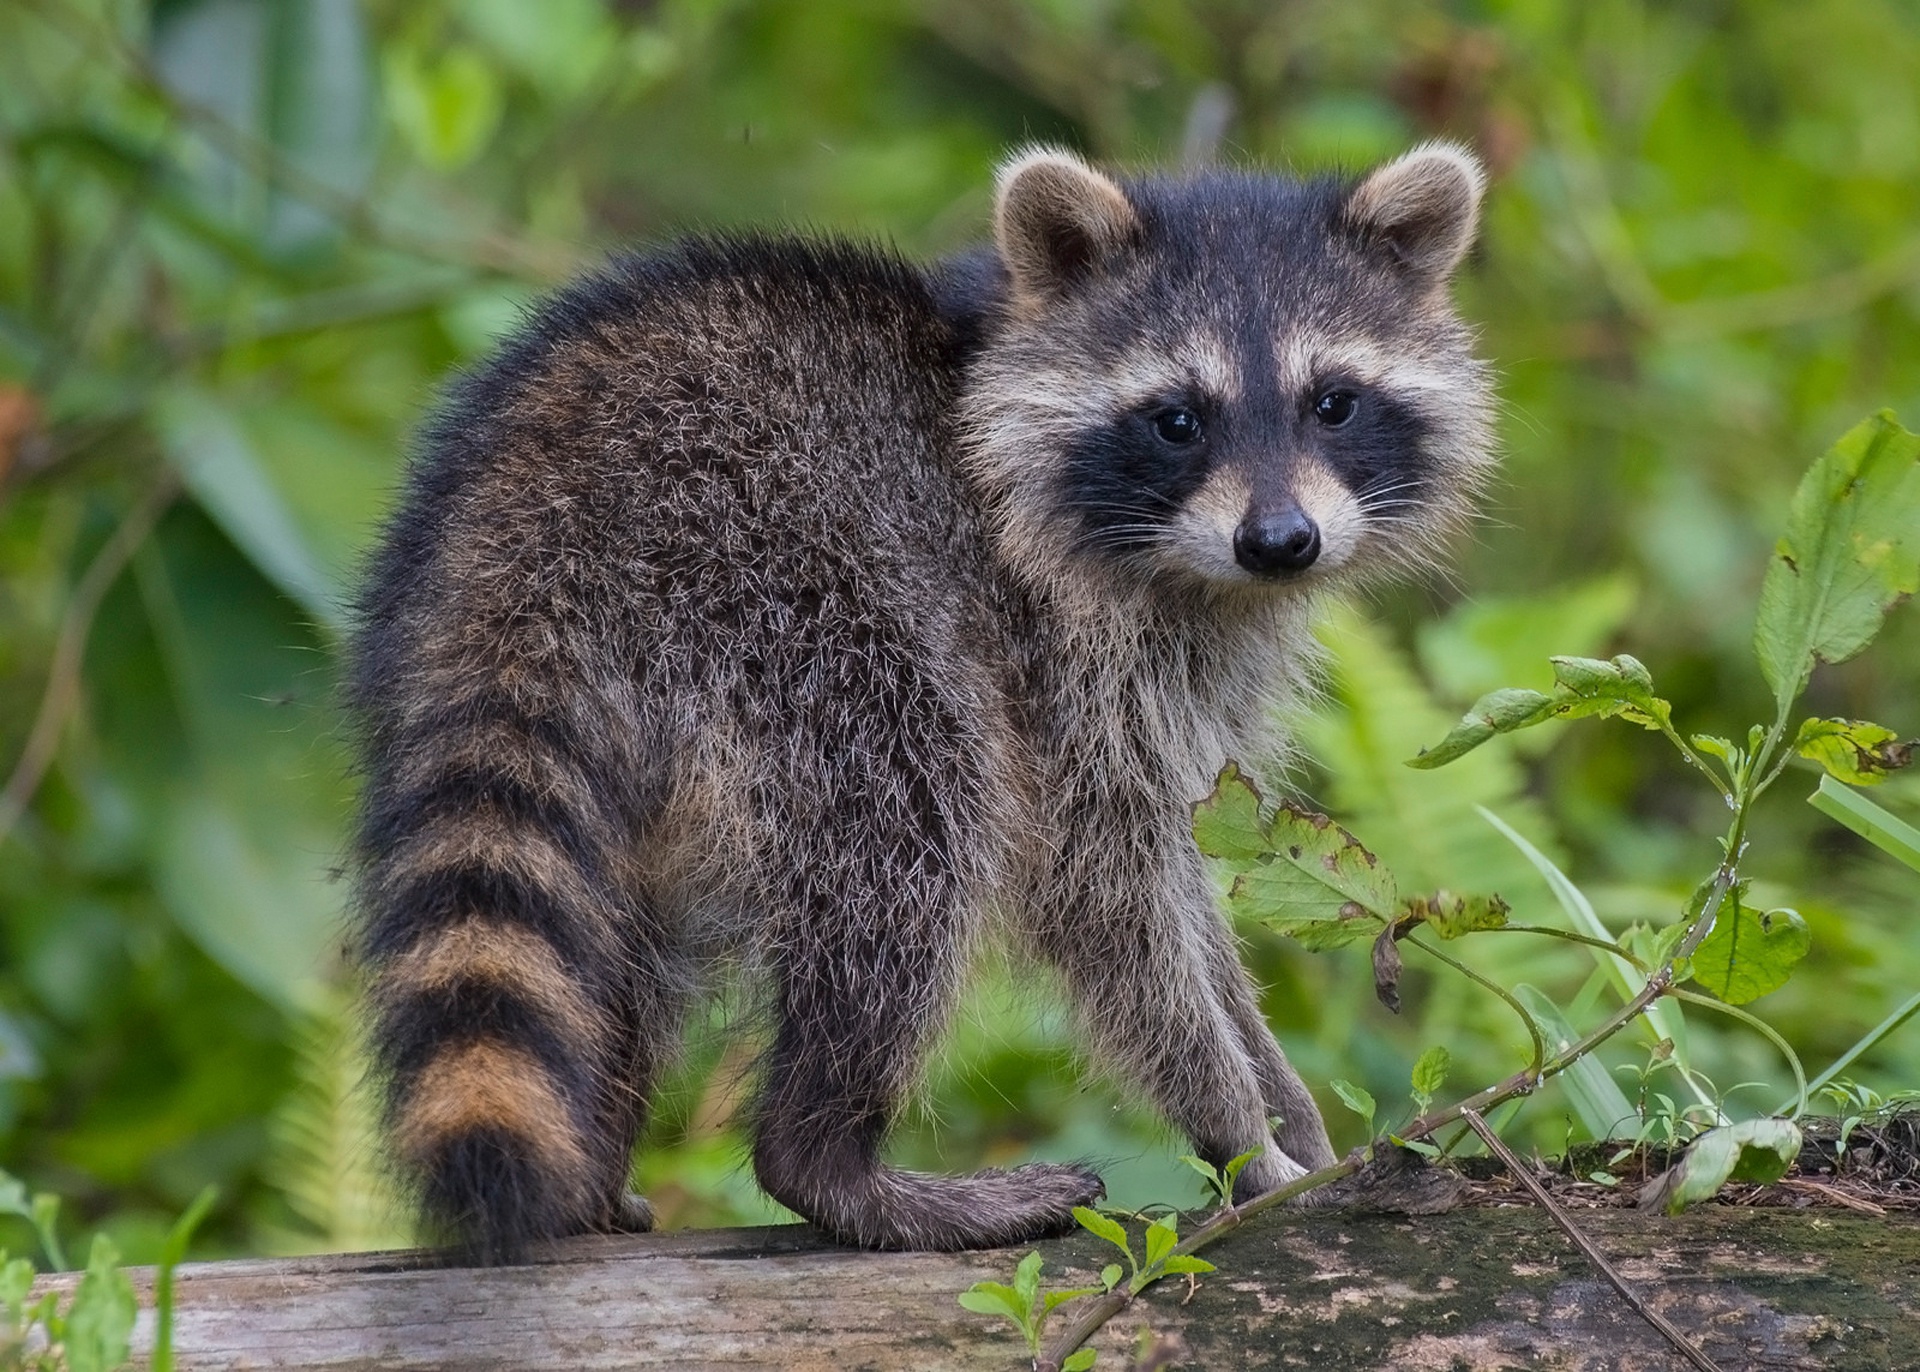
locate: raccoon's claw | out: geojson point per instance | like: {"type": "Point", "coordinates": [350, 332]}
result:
{"type": "Point", "coordinates": [1055, 1190]}
{"type": "Point", "coordinates": [632, 1214]}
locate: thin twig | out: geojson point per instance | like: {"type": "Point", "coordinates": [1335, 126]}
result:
{"type": "Point", "coordinates": [1524, 1175]}
{"type": "Point", "coordinates": [70, 648]}
{"type": "Point", "coordinates": [1834, 1194]}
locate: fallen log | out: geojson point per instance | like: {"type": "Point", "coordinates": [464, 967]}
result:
{"type": "Point", "coordinates": [1483, 1287]}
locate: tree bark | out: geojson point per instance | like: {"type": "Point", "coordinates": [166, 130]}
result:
{"type": "Point", "coordinates": [1477, 1288]}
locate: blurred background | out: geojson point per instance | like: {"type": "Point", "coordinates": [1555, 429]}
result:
{"type": "Point", "coordinates": [242, 242]}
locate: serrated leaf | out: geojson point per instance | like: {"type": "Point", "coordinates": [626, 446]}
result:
{"type": "Point", "coordinates": [1752, 1150]}
{"type": "Point", "coordinates": [1321, 885]}
{"type": "Point", "coordinates": [1096, 1223]}
{"type": "Point", "coordinates": [1854, 750]}
{"type": "Point", "coordinates": [1080, 1360]}
{"type": "Point", "coordinates": [1749, 952]}
{"type": "Point", "coordinates": [1227, 823]}
{"type": "Point", "coordinates": [1850, 550]}
{"type": "Point", "coordinates": [1430, 1074]}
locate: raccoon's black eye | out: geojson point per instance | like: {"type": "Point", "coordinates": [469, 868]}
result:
{"type": "Point", "coordinates": [1177, 425]}
{"type": "Point", "coordinates": [1334, 408]}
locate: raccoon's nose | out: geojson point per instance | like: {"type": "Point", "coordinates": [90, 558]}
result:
{"type": "Point", "coordinates": [1273, 543]}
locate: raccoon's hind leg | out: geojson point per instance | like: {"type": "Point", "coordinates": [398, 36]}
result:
{"type": "Point", "coordinates": [522, 1002]}
{"type": "Point", "coordinates": [869, 955]}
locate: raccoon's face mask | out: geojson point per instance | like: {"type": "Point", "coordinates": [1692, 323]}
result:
{"type": "Point", "coordinates": [1235, 379]}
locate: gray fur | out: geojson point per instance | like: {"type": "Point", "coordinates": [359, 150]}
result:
{"type": "Point", "coordinates": [742, 611]}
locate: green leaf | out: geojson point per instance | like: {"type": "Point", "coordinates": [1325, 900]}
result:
{"type": "Point", "coordinates": [1162, 1235]}
{"type": "Point", "coordinates": [1054, 1299]}
{"type": "Point", "coordinates": [1749, 952]}
{"type": "Point", "coordinates": [1227, 823]}
{"type": "Point", "coordinates": [1026, 1280]}
{"type": "Point", "coordinates": [1621, 686]}
{"type": "Point", "coordinates": [13, 1196]}
{"type": "Point", "coordinates": [1430, 1074]}
{"type": "Point", "coordinates": [1109, 1276]}
{"type": "Point", "coordinates": [16, 1284]}
{"type": "Point", "coordinates": [1356, 1099]}
{"type": "Point", "coordinates": [100, 1319]}
{"type": "Point", "coordinates": [172, 1253]}
{"type": "Point", "coordinates": [1186, 1262]}
{"type": "Point", "coordinates": [1752, 1150]}
{"type": "Point", "coordinates": [1096, 1223]}
{"type": "Point", "coordinates": [1080, 1360]}
{"type": "Point", "coordinates": [1321, 886]}
{"type": "Point", "coordinates": [1452, 916]}
{"type": "Point", "coordinates": [1587, 687]}
{"type": "Point", "coordinates": [1850, 550]}
{"type": "Point", "coordinates": [1208, 1172]}
{"type": "Point", "coordinates": [1497, 712]}
{"type": "Point", "coordinates": [1873, 822]}
{"type": "Point", "coordinates": [998, 1299]}
{"type": "Point", "coordinates": [1853, 750]}
{"type": "Point", "coordinates": [1235, 1165]}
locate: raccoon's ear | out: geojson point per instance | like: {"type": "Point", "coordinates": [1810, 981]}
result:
{"type": "Point", "coordinates": [1423, 208]}
{"type": "Point", "coordinates": [1056, 219]}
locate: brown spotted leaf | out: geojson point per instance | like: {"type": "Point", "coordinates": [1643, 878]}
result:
{"type": "Point", "coordinates": [1853, 750]}
{"type": "Point", "coordinates": [1319, 884]}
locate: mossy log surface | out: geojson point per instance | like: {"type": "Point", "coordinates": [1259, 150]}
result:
{"type": "Point", "coordinates": [1476, 1288]}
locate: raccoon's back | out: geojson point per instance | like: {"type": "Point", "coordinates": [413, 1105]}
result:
{"type": "Point", "coordinates": [720, 425]}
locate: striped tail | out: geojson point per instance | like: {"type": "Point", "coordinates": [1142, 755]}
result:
{"type": "Point", "coordinates": [507, 978]}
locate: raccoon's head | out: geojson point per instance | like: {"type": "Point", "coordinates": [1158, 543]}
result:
{"type": "Point", "coordinates": [1233, 382]}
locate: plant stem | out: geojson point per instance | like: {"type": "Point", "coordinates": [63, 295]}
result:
{"type": "Point", "coordinates": [1533, 1029]}
{"type": "Point", "coordinates": [1756, 1023]}
{"type": "Point", "coordinates": [1608, 945]}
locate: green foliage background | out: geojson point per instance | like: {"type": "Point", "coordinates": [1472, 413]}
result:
{"type": "Point", "coordinates": [242, 242]}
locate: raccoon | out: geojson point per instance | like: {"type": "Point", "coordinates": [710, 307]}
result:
{"type": "Point", "coordinates": [778, 604]}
